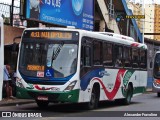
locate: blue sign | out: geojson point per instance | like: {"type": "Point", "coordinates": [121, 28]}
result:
{"type": "Point", "coordinates": [78, 13]}
{"type": "Point", "coordinates": [49, 72]}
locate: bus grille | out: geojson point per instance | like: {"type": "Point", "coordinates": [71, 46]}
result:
{"type": "Point", "coordinates": [51, 97]}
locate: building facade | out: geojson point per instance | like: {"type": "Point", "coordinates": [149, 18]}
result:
{"type": "Point", "coordinates": [137, 10]}
{"type": "Point", "coordinates": [149, 20]}
{"type": "Point", "coordinates": [152, 19]}
{"type": "Point", "coordinates": [157, 22]}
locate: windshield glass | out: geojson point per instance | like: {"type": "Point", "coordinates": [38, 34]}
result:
{"type": "Point", "coordinates": [157, 66]}
{"type": "Point", "coordinates": [48, 59]}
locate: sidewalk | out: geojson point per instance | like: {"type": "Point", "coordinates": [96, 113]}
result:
{"type": "Point", "coordinates": [15, 102]}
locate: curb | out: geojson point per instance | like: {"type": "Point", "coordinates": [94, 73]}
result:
{"type": "Point", "coordinates": [15, 102]}
{"type": "Point", "coordinates": [149, 90]}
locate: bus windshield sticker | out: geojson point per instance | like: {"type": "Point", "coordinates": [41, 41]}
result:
{"type": "Point", "coordinates": [49, 72]}
{"type": "Point", "coordinates": [40, 74]}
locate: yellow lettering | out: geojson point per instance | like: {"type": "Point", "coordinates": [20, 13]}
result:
{"type": "Point", "coordinates": [59, 35]}
{"type": "Point", "coordinates": [35, 68]}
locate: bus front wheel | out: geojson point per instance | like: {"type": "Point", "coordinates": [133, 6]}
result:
{"type": "Point", "coordinates": [93, 103]}
{"type": "Point", "coordinates": [42, 104]}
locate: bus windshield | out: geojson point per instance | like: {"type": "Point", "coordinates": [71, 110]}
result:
{"type": "Point", "coordinates": [37, 59]}
{"type": "Point", "coordinates": [157, 66]}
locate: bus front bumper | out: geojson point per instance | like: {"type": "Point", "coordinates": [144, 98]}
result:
{"type": "Point", "coordinates": [155, 87]}
{"type": "Point", "coordinates": [69, 96]}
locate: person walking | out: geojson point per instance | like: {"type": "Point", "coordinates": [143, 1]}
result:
{"type": "Point", "coordinates": [7, 81]}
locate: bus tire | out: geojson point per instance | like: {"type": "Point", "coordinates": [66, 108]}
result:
{"type": "Point", "coordinates": [93, 103]}
{"type": "Point", "coordinates": [127, 99]}
{"type": "Point", "coordinates": [158, 94]}
{"type": "Point", "coordinates": [42, 104]}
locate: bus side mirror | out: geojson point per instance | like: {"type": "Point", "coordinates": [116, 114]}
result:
{"type": "Point", "coordinates": [151, 64]}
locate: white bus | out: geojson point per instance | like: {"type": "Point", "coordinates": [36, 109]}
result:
{"type": "Point", "coordinates": [78, 66]}
{"type": "Point", "coordinates": [1, 55]}
{"type": "Point", "coordinates": [156, 73]}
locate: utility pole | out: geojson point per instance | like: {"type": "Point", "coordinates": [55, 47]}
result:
{"type": "Point", "coordinates": [11, 13]}
{"type": "Point", "coordinates": [143, 13]}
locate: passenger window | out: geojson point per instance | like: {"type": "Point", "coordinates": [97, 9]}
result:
{"type": "Point", "coordinates": [118, 56]}
{"type": "Point", "coordinates": [85, 56]}
{"type": "Point", "coordinates": [97, 53]}
{"type": "Point", "coordinates": [143, 59]}
{"type": "Point", "coordinates": [127, 57]}
{"type": "Point", "coordinates": [135, 58]}
{"type": "Point", "coordinates": [107, 54]}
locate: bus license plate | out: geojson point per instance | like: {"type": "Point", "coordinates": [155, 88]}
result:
{"type": "Point", "coordinates": [45, 98]}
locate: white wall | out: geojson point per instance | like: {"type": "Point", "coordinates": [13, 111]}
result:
{"type": "Point", "coordinates": [149, 20]}
{"type": "Point", "coordinates": [1, 55]}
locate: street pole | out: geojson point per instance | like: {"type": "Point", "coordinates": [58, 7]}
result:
{"type": "Point", "coordinates": [11, 16]}
{"type": "Point", "coordinates": [143, 20]}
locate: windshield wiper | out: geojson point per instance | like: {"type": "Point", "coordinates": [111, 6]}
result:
{"type": "Point", "coordinates": [57, 51]}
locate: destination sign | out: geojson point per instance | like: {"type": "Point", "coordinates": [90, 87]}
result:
{"type": "Point", "coordinates": [50, 35]}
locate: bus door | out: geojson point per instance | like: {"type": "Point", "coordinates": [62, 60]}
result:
{"type": "Point", "coordinates": [109, 73]}
{"type": "Point", "coordinates": [85, 65]}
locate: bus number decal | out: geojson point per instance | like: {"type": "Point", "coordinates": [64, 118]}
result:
{"type": "Point", "coordinates": [35, 67]}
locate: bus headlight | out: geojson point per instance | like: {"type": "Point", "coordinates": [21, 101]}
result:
{"type": "Point", "coordinates": [157, 83]}
{"type": "Point", "coordinates": [70, 86]}
{"type": "Point", "coordinates": [19, 83]}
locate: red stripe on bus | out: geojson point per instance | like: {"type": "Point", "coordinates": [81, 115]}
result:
{"type": "Point", "coordinates": [111, 95]}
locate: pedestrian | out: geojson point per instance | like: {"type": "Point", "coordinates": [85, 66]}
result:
{"type": "Point", "coordinates": [35, 9]}
{"type": "Point", "coordinates": [7, 81]}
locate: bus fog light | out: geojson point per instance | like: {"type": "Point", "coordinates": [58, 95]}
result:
{"type": "Point", "coordinates": [69, 96]}
{"type": "Point", "coordinates": [70, 86]}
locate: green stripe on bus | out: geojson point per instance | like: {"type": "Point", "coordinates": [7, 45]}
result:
{"type": "Point", "coordinates": [139, 90]}
{"type": "Point", "coordinates": [22, 93]}
{"type": "Point", "coordinates": [126, 79]}
{"type": "Point", "coordinates": [71, 96]}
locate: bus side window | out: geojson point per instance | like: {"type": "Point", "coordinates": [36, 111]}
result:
{"type": "Point", "coordinates": [97, 53]}
{"type": "Point", "coordinates": [127, 56]}
{"type": "Point", "coordinates": [107, 54]}
{"type": "Point", "coordinates": [143, 62]}
{"type": "Point", "coordinates": [135, 58]}
{"type": "Point", "coordinates": [85, 56]}
{"type": "Point", "coordinates": [118, 56]}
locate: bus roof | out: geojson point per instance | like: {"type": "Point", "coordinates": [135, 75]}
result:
{"type": "Point", "coordinates": [111, 37]}
{"type": "Point", "coordinates": [157, 51]}
{"type": "Point", "coordinates": [118, 36]}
